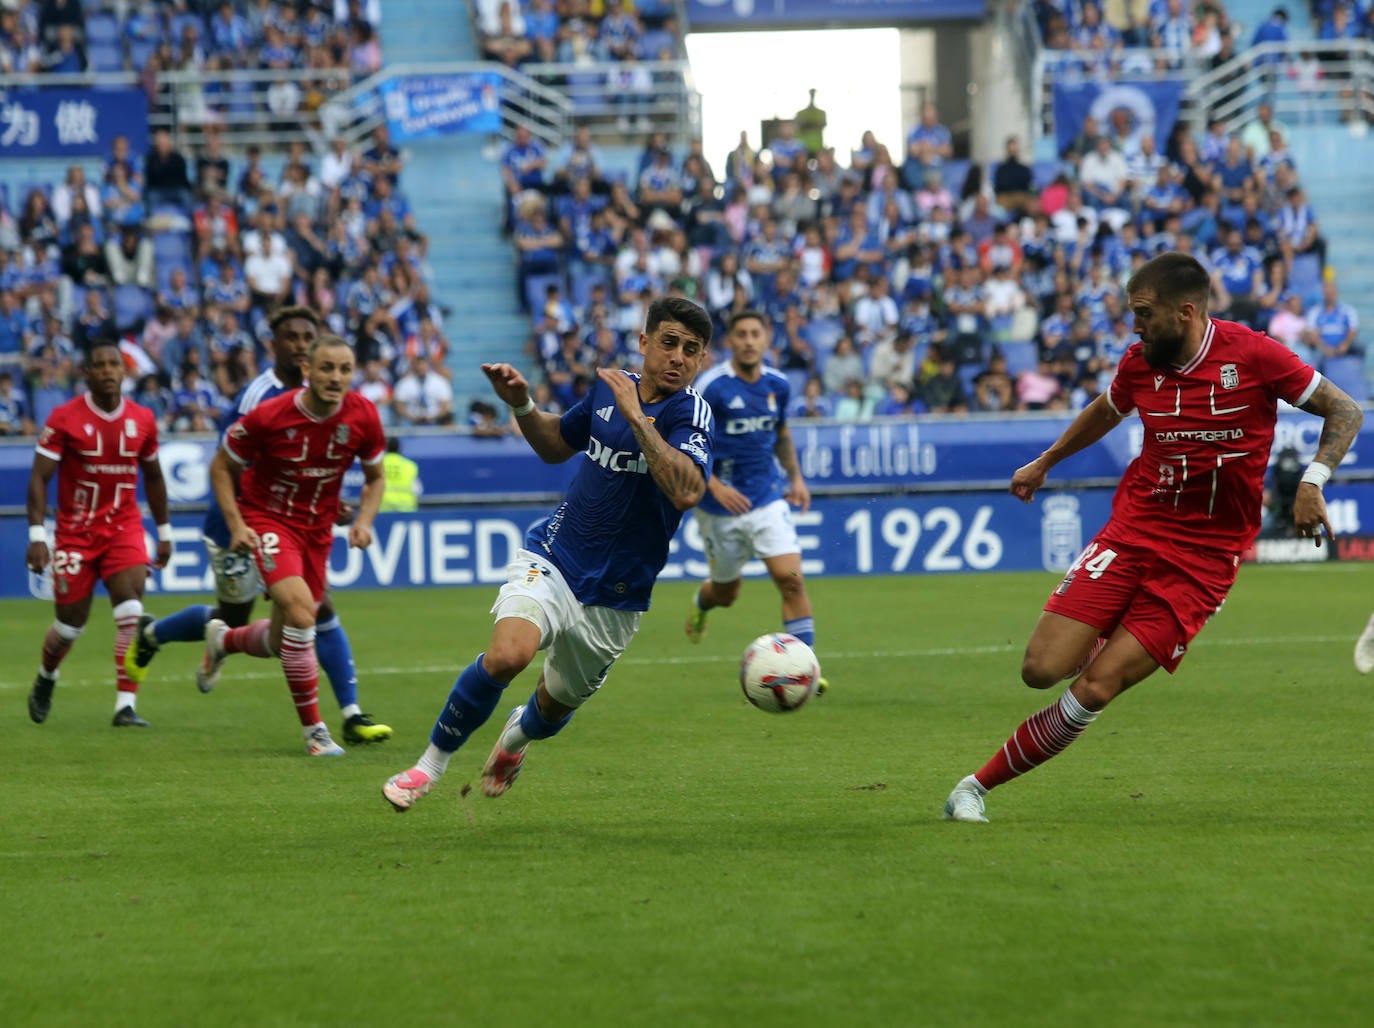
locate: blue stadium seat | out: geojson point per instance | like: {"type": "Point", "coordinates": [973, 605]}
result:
{"type": "Point", "coordinates": [140, 50]}
{"type": "Point", "coordinates": [967, 373]}
{"type": "Point", "coordinates": [580, 291]}
{"type": "Point", "coordinates": [823, 333]}
{"type": "Point", "coordinates": [955, 172]}
{"type": "Point", "coordinates": [1306, 277]}
{"type": "Point", "coordinates": [1045, 172]}
{"type": "Point", "coordinates": [1348, 373]}
{"type": "Point", "coordinates": [1020, 357]}
{"type": "Point", "coordinates": [102, 28]}
{"type": "Point", "coordinates": [131, 305]}
{"type": "Point", "coordinates": [535, 288]}
{"type": "Point", "coordinates": [105, 57]}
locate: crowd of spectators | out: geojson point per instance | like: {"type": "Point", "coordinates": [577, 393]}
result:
{"type": "Point", "coordinates": [924, 286]}
{"type": "Point", "coordinates": [332, 37]}
{"type": "Point", "coordinates": [184, 262]}
{"type": "Point", "coordinates": [578, 32]}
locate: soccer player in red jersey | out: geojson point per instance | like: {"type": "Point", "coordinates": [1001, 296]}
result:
{"type": "Point", "coordinates": [1207, 392]}
{"type": "Point", "coordinates": [96, 444]}
{"type": "Point", "coordinates": [292, 452]}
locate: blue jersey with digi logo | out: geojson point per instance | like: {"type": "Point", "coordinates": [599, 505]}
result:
{"type": "Point", "coordinates": [255, 393]}
{"type": "Point", "coordinates": [748, 416]}
{"type": "Point", "coordinates": [609, 537]}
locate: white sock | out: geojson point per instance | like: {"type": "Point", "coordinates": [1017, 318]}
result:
{"type": "Point", "coordinates": [978, 787]}
{"type": "Point", "coordinates": [352, 710]}
{"type": "Point", "coordinates": [306, 730]}
{"type": "Point", "coordinates": [434, 761]}
{"type": "Point", "coordinates": [124, 699]}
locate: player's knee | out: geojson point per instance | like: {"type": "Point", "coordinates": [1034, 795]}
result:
{"type": "Point", "coordinates": [300, 614]}
{"type": "Point", "coordinates": [1094, 690]}
{"type": "Point", "coordinates": [506, 658]}
{"type": "Point", "coordinates": [1039, 672]}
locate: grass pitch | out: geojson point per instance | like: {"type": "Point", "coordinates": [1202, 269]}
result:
{"type": "Point", "coordinates": [1201, 856]}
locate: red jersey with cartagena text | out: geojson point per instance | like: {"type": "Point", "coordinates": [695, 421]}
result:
{"type": "Point", "coordinates": [98, 454]}
{"type": "Point", "coordinates": [1208, 429]}
{"type": "Point", "coordinates": [296, 461]}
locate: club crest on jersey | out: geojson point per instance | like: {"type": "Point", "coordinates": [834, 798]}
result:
{"type": "Point", "coordinates": [772, 402]}
{"type": "Point", "coordinates": [341, 435]}
{"type": "Point", "coordinates": [130, 427]}
{"type": "Point", "coordinates": [1230, 377]}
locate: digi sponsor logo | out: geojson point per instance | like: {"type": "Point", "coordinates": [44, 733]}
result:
{"type": "Point", "coordinates": [628, 461]}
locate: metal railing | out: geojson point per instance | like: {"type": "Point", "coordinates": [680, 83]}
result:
{"type": "Point", "coordinates": [616, 99]}
{"type": "Point", "coordinates": [548, 114]}
{"type": "Point", "coordinates": [1305, 81]}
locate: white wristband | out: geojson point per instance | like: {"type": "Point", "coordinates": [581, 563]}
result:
{"type": "Point", "coordinates": [164, 533]}
{"type": "Point", "coordinates": [1317, 474]}
{"type": "Point", "coordinates": [525, 408]}
{"type": "Point", "coordinates": [38, 534]}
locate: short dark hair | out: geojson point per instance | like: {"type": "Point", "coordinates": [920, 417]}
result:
{"type": "Point", "coordinates": [681, 310]}
{"type": "Point", "coordinates": [285, 314]}
{"type": "Point", "coordinates": [393, 444]}
{"type": "Point", "coordinates": [101, 343]}
{"type": "Point", "coordinates": [329, 339]}
{"type": "Point", "coordinates": [748, 314]}
{"type": "Point", "coordinates": [1173, 278]}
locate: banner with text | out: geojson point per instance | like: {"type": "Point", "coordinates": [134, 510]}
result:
{"type": "Point", "coordinates": [755, 14]}
{"type": "Point", "coordinates": [888, 535]}
{"type": "Point", "coordinates": [852, 458]}
{"type": "Point", "coordinates": [429, 106]}
{"type": "Point", "coordinates": [1150, 107]}
{"type": "Point", "coordinates": [71, 122]}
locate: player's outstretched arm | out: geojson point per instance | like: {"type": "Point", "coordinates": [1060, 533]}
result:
{"type": "Point", "coordinates": [155, 488]}
{"type": "Point", "coordinates": [1093, 422]}
{"type": "Point", "coordinates": [540, 428]}
{"type": "Point", "coordinates": [36, 504]}
{"type": "Point", "coordinates": [1342, 418]}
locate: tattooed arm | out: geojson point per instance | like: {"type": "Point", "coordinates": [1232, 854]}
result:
{"type": "Point", "coordinates": [679, 477]}
{"type": "Point", "coordinates": [1342, 419]}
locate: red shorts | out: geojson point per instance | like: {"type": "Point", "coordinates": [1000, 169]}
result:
{"type": "Point", "coordinates": [80, 559]}
{"type": "Point", "coordinates": [287, 551]}
{"type": "Point", "coordinates": [1161, 595]}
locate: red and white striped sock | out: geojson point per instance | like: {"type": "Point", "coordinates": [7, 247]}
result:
{"type": "Point", "coordinates": [1038, 739]}
{"type": "Point", "coordinates": [126, 617]}
{"type": "Point", "coordinates": [302, 672]}
{"type": "Point", "coordinates": [57, 643]}
{"type": "Point", "coordinates": [250, 639]}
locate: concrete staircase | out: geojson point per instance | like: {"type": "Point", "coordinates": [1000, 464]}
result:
{"type": "Point", "coordinates": [456, 195]}
{"type": "Point", "coordinates": [1333, 167]}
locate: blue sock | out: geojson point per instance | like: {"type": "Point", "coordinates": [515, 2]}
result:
{"type": "Point", "coordinates": [474, 696]}
{"type": "Point", "coordinates": [336, 660]}
{"type": "Point", "coordinates": [803, 628]}
{"type": "Point", "coordinates": [182, 627]}
{"type": "Point", "coordinates": [532, 722]}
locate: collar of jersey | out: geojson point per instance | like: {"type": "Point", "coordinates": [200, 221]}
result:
{"type": "Point", "coordinates": [106, 415]}
{"type": "Point", "coordinates": [1202, 351]}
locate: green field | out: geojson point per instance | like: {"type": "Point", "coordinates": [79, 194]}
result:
{"type": "Point", "coordinates": [1202, 856]}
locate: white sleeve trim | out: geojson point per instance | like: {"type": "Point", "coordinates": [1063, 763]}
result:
{"type": "Point", "coordinates": [49, 454]}
{"type": "Point", "coordinates": [375, 460]}
{"type": "Point", "coordinates": [241, 461]}
{"type": "Point", "coordinates": [1311, 388]}
{"type": "Point", "coordinates": [1112, 405]}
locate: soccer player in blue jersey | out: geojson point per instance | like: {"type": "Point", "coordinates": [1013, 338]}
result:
{"type": "Point", "coordinates": [745, 512]}
{"type": "Point", "coordinates": [237, 582]}
{"type": "Point", "coordinates": [582, 582]}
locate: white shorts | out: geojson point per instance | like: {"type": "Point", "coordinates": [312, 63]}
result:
{"type": "Point", "coordinates": [236, 575]}
{"type": "Point", "coordinates": [732, 540]}
{"type": "Point", "coordinates": [583, 642]}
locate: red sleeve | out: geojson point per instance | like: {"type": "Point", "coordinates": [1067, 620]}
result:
{"type": "Point", "coordinates": [1121, 394]}
{"type": "Point", "coordinates": [52, 442]}
{"type": "Point", "coordinates": [1288, 376]}
{"type": "Point", "coordinates": [241, 441]}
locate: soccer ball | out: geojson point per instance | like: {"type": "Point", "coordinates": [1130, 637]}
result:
{"type": "Point", "coordinates": [778, 673]}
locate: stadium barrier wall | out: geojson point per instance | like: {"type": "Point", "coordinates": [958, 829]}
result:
{"type": "Point", "coordinates": [941, 533]}
{"type": "Point", "coordinates": [926, 454]}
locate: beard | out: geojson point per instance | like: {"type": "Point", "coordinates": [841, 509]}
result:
{"type": "Point", "coordinates": [1163, 350]}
